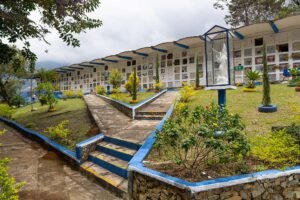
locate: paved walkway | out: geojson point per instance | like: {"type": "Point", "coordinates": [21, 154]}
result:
{"type": "Point", "coordinates": [47, 177]}
{"type": "Point", "coordinates": [114, 123]}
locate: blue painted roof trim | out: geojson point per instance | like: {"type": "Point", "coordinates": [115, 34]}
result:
{"type": "Point", "coordinates": [159, 50]}
{"type": "Point", "coordinates": [124, 57]}
{"type": "Point", "coordinates": [216, 26]}
{"type": "Point", "coordinates": [109, 60]}
{"type": "Point", "coordinates": [80, 68]}
{"type": "Point", "coordinates": [55, 145]}
{"type": "Point", "coordinates": [85, 65]}
{"type": "Point", "coordinates": [181, 45]}
{"type": "Point", "coordinates": [274, 27]}
{"type": "Point", "coordinates": [140, 54]}
{"type": "Point", "coordinates": [239, 35]}
{"type": "Point", "coordinates": [97, 63]}
{"type": "Point", "coordinates": [69, 70]}
{"type": "Point", "coordinates": [61, 71]}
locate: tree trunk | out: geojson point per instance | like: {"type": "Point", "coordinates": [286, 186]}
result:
{"type": "Point", "coordinates": [266, 84]}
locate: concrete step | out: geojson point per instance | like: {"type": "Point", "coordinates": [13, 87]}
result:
{"type": "Point", "coordinates": [110, 163]}
{"type": "Point", "coordinates": [150, 113]}
{"type": "Point", "coordinates": [149, 117]}
{"type": "Point", "coordinates": [126, 144]}
{"type": "Point", "coordinates": [109, 180]}
{"type": "Point", "coordinates": [117, 151]}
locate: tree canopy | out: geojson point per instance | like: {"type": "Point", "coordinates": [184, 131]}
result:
{"type": "Point", "coordinates": [65, 16]}
{"type": "Point", "coordinates": [245, 12]}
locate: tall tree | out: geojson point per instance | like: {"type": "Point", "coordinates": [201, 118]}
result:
{"type": "Point", "coordinates": [197, 84]}
{"type": "Point", "coordinates": [65, 16]}
{"type": "Point", "coordinates": [266, 101]}
{"type": "Point", "coordinates": [245, 12]}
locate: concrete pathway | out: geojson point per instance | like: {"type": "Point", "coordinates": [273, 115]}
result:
{"type": "Point", "coordinates": [47, 177]}
{"type": "Point", "coordinates": [114, 123]}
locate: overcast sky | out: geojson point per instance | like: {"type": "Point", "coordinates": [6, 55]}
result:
{"type": "Point", "coordinates": [132, 24]}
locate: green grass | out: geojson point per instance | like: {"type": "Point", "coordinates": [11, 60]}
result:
{"type": "Point", "coordinates": [246, 103]}
{"type": "Point", "coordinates": [73, 110]}
{"type": "Point", "coordinates": [126, 98]}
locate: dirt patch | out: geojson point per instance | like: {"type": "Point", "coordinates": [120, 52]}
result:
{"type": "Point", "coordinates": [50, 155]}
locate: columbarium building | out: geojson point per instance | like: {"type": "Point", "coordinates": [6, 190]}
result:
{"type": "Point", "coordinates": [177, 60]}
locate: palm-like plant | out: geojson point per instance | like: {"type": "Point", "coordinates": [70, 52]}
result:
{"type": "Point", "coordinates": [294, 72]}
{"type": "Point", "coordinates": [252, 76]}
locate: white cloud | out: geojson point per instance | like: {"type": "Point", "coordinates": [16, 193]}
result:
{"type": "Point", "coordinates": [133, 24]}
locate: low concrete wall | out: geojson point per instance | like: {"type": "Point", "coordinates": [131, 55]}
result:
{"type": "Point", "coordinates": [83, 149]}
{"type": "Point", "coordinates": [285, 187]}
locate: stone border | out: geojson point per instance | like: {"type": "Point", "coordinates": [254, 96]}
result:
{"type": "Point", "coordinates": [128, 109]}
{"type": "Point", "coordinates": [84, 148]}
{"type": "Point", "coordinates": [136, 166]}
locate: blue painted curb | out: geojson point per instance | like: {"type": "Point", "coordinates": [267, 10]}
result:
{"type": "Point", "coordinates": [114, 153]}
{"type": "Point", "coordinates": [106, 165]}
{"type": "Point", "coordinates": [42, 138]}
{"type": "Point", "coordinates": [122, 143]}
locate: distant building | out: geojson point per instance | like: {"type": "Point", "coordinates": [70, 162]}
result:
{"type": "Point", "coordinates": [177, 59]}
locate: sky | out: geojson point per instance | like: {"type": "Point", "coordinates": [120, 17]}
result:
{"type": "Point", "coordinates": [129, 25]}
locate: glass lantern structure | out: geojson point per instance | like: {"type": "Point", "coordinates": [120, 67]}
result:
{"type": "Point", "coordinates": [219, 72]}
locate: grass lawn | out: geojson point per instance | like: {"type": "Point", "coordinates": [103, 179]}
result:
{"type": "Point", "coordinates": [126, 98]}
{"type": "Point", "coordinates": [74, 110]}
{"type": "Point", "coordinates": [245, 104]}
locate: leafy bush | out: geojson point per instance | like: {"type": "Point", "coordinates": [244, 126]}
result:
{"type": "Point", "coordinates": [277, 149]}
{"type": "Point", "coordinates": [100, 90]}
{"type": "Point", "coordinates": [9, 189]}
{"type": "Point", "coordinates": [17, 100]}
{"type": "Point", "coordinates": [46, 91]}
{"type": "Point", "coordinates": [158, 86]}
{"type": "Point", "coordinates": [186, 92]}
{"type": "Point", "coordinates": [116, 91]}
{"type": "Point", "coordinates": [43, 100]}
{"type": "Point", "coordinates": [79, 94]}
{"type": "Point", "coordinates": [252, 76]}
{"type": "Point", "coordinates": [115, 78]}
{"type": "Point", "coordinates": [69, 94]}
{"type": "Point", "coordinates": [129, 84]}
{"type": "Point", "coordinates": [6, 111]}
{"type": "Point", "coordinates": [60, 132]}
{"type": "Point", "coordinates": [294, 131]}
{"type": "Point", "coordinates": [294, 82]}
{"type": "Point", "coordinates": [199, 137]}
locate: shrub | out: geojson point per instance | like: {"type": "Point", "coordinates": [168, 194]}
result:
{"type": "Point", "coordinates": [115, 78]}
{"type": "Point", "coordinates": [6, 111]}
{"type": "Point", "coordinates": [158, 86]}
{"type": "Point", "coordinates": [115, 91]}
{"type": "Point", "coordinates": [30, 125]}
{"type": "Point", "coordinates": [186, 92]}
{"type": "Point", "coordinates": [43, 100]}
{"type": "Point", "coordinates": [46, 91]}
{"type": "Point", "coordinates": [252, 77]}
{"type": "Point", "coordinates": [60, 132]}
{"type": "Point", "coordinates": [129, 84]}
{"type": "Point", "coordinates": [100, 90]}
{"type": "Point", "coordinates": [17, 100]}
{"type": "Point", "coordinates": [294, 131]}
{"type": "Point", "coordinates": [198, 137]}
{"type": "Point", "coordinates": [277, 149]}
{"type": "Point", "coordinates": [79, 94]}
{"type": "Point", "coordinates": [8, 186]}
{"type": "Point", "coordinates": [69, 94]}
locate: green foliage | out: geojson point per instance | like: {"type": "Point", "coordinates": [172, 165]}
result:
{"type": "Point", "coordinates": [43, 100]}
{"type": "Point", "coordinates": [100, 90]}
{"type": "Point", "coordinates": [66, 17]}
{"type": "Point", "coordinates": [245, 12]}
{"type": "Point", "coordinates": [30, 125]}
{"type": "Point", "coordinates": [129, 84]}
{"type": "Point", "coordinates": [17, 100]}
{"type": "Point", "coordinates": [69, 94]}
{"type": "Point", "coordinates": [266, 101]}
{"type": "Point", "coordinates": [186, 92]}
{"type": "Point", "coordinates": [116, 91]}
{"type": "Point", "coordinates": [294, 72]}
{"type": "Point", "coordinates": [115, 78]}
{"type": "Point", "coordinates": [277, 149]}
{"type": "Point", "coordinates": [198, 137]}
{"type": "Point", "coordinates": [295, 81]}
{"type": "Point", "coordinates": [134, 86]}
{"type": "Point", "coordinates": [79, 94]}
{"type": "Point", "coordinates": [45, 91]}
{"type": "Point", "coordinates": [46, 75]}
{"type": "Point", "coordinates": [60, 132]}
{"type": "Point", "coordinates": [8, 186]}
{"type": "Point", "coordinates": [252, 77]}
{"type": "Point", "coordinates": [294, 131]}
{"type": "Point", "coordinates": [158, 86]}
{"type": "Point", "coordinates": [6, 111]}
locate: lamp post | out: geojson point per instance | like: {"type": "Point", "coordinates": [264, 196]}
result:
{"type": "Point", "coordinates": [218, 70]}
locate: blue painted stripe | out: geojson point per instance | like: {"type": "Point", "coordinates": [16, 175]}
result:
{"type": "Point", "coordinates": [85, 65]}
{"type": "Point", "coordinates": [123, 143]}
{"type": "Point", "coordinates": [97, 63]}
{"type": "Point", "coordinates": [109, 60]}
{"type": "Point", "coordinates": [181, 45]}
{"type": "Point", "coordinates": [124, 57]}
{"type": "Point", "coordinates": [159, 50]}
{"type": "Point", "coordinates": [114, 153]}
{"type": "Point", "coordinates": [140, 54]}
{"type": "Point", "coordinates": [110, 167]}
{"type": "Point", "coordinates": [274, 27]}
{"type": "Point", "coordinates": [43, 138]}
{"type": "Point", "coordinates": [239, 35]}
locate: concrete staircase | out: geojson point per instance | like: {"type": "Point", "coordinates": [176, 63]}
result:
{"type": "Point", "coordinates": [108, 164]}
{"type": "Point", "coordinates": [149, 115]}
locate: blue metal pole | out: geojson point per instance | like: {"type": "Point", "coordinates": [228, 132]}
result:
{"type": "Point", "coordinates": [222, 97]}
{"type": "Point", "coordinates": [108, 90]}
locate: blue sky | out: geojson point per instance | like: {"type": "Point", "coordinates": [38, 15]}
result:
{"type": "Point", "coordinates": [131, 24]}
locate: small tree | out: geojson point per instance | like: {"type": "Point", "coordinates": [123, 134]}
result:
{"type": "Point", "coordinates": [252, 76]}
{"type": "Point", "coordinates": [134, 86]}
{"type": "Point", "coordinates": [197, 84]}
{"type": "Point", "coordinates": [115, 78]}
{"type": "Point", "coordinates": [266, 101]}
{"type": "Point", "coordinates": [46, 91]}
{"type": "Point", "coordinates": [129, 84]}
